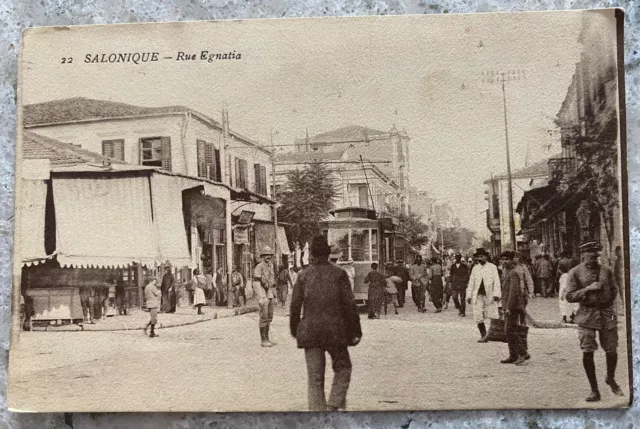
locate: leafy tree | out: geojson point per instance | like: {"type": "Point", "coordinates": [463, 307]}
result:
{"type": "Point", "coordinates": [415, 230]}
{"type": "Point", "coordinates": [306, 200]}
{"type": "Point", "coordinates": [457, 239]}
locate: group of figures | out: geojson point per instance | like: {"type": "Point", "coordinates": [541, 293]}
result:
{"type": "Point", "coordinates": [590, 287]}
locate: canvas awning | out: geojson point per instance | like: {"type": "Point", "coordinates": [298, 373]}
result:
{"type": "Point", "coordinates": [264, 233]}
{"type": "Point", "coordinates": [168, 220]}
{"type": "Point", "coordinates": [104, 221]}
{"type": "Point", "coordinates": [31, 200]}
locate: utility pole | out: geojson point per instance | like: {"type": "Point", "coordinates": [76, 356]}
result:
{"type": "Point", "coordinates": [501, 77]}
{"type": "Point", "coordinates": [274, 206]}
{"type": "Point", "coordinates": [228, 227]}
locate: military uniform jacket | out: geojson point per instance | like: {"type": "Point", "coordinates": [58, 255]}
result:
{"type": "Point", "coordinates": [265, 281]}
{"type": "Point", "coordinates": [331, 318]}
{"type": "Point", "coordinates": [597, 308]}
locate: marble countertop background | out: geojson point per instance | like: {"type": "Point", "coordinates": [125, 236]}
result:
{"type": "Point", "coordinates": [16, 15]}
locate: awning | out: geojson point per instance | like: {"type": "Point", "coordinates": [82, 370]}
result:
{"type": "Point", "coordinates": [31, 199]}
{"type": "Point", "coordinates": [169, 221]}
{"type": "Point", "coordinates": [104, 221]}
{"type": "Point", "coordinates": [264, 233]}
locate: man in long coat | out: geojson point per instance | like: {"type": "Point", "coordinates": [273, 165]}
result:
{"type": "Point", "coordinates": [420, 276]}
{"type": "Point", "coordinates": [483, 291]}
{"type": "Point", "coordinates": [330, 324]}
{"type": "Point", "coordinates": [459, 277]}
{"type": "Point", "coordinates": [514, 307]}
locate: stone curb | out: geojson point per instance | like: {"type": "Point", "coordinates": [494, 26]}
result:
{"type": "Point", "coordinates": [96, 328]}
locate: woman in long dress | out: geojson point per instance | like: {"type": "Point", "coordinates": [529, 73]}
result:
{"type": "Point", "coordinates": [199, 284]}
{"type": "Point", "coordinates": [377, 283]}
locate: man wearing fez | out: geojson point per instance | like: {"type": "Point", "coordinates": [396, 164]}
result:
{"type": "Point", "coordinates": [594, 287]}
{"type": "Point", "coordinates": [420, 276]}
{"type": "Point", "coordinates": [483, 291]}
{"type": "Point", "coordinates": [514, 307]}
{"type": "Point", "coordinates": [330, 325]}
{"type": "Point", "coordinates": [264, 285]}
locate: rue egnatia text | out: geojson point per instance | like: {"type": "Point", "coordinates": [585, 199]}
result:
{"type": "Point", "coordinates": [149, 57]}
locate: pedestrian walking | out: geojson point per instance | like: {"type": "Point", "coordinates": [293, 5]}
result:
{"type": "Point", "coordinates": [199, 283]}
{"type": "Point", "coordinates": [121, 297]}
{"type": "Point", "coordinates": [377, 284]}
{"type": "Point", "coordinates": [293, 276]}
{"type": "Point", "coordinates": [483, 291]}
{"type": "Point", "coordinates": [403, 273]}
{"type": "Point", "coordinates": [593, 286]}
{"type": "Point", "coordinates": [152, 302]}
{"type": "Point", "coordinates": [238, 284]}
{"type": "Point", "coordinates": [436, 288]}
{"type": "Point", "coordinates": [221, 287]}
{"type": "Point", "coordinates": [513, 307]}
{"type": "Point", "coordinates": [330, 325]}
{"type": "Point", "coordinates": [391, 292]}
{"type": "Point", "coordinates": [544, 273]}
{"type": "Point", "coordinates": [567, 309]}
{"type": "Point", "coordinates": [282, 285]}
{"type": "Point", "coordinates": [420, 276]}
{"type": "Point", "coordinates": [459, 278]}
{"type": "Point", "coordinates": [264, 285]}
{"type": "Point", "coordinates": [166, 286]}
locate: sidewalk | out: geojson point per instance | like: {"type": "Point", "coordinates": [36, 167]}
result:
{"type": "Point", "coordinates": [138, 319]}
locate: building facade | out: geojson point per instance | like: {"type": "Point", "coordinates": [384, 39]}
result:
{"type": "Point", "coordinates": [390, 149]}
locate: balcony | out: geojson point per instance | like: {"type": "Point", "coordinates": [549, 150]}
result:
{"type": "Point", "coordinates": [561, 169]}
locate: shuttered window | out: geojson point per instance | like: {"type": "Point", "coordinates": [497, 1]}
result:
{"type": "Point", "coordinates": [156, 152]}
{"type": "Point", "coordinates": [260, 174]}
{"type": "Point", "coordinates": [208, 161]}
{"type": "Point", "coordinates": [241, 174]}
{"type": "Point", "coordinates": [113, 149]}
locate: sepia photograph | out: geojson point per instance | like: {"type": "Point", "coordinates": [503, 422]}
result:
{"type": "Point", "coordinates": [322, 214]}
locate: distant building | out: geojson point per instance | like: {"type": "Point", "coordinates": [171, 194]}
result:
{"type": "Point", "coordinates": [379, 146]}
{"type": "Point", "coordinates": [496, 195]}
{"type": "Point", "coordinates": [359, 183]}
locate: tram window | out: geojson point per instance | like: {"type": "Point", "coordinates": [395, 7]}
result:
{"type": "Point", "coordinates": [374, 244]}
{"type": "Point", "coordinates": [360, 245]}
{"type": "Point", "coordinates": [340, 238]}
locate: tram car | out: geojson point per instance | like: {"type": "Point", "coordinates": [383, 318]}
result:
{"type": "Point", "coordinates": [363, 239]}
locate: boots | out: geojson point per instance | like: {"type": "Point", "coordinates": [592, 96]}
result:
{"type": "Point", "coordinates": [590, 370]}
{"type": "Point", "coordinates": [483, 333]}
{"type": "Point", "coordinates": [612, 361]}
{"type": "Point", "coordinates": [153, 332]}
{"type": "Point", "coordinates": [267, 333]}
{"type": "Point", "coordinates": [265, 337]}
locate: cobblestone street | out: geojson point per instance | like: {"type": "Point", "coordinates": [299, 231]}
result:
{"type": "Point", "coordinates": [411, 361]}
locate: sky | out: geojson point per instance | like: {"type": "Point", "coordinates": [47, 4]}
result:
{"type": "Point", "coordinates": [422, 74]}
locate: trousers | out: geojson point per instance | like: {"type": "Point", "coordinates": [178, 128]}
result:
{"type": "Point", "coordinates": [516, 346]}
{"type": "Point", "coordinates": [316, 365]}
{"type": "Point", "coordinates": [459, 299]}
{"type": "Point", "coordinates": [266, 311]}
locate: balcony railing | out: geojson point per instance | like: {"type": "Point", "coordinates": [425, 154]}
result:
{"type": "Point", "coordinates": [561, 168]}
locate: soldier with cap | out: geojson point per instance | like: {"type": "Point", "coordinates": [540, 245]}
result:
{"type": "Point", "coordinates": [264, 285]}
{"type": "Point", "coordinates": [593, 286]}
{"type": "Point", "coordinates": [514, 306]}
{"type": "Point", "coordinates": [483, 291]}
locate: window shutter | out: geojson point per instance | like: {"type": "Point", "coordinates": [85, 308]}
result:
{"type": "Point", "coordinates": [364, 197]}
{"type": "Point", "coordinates": [237, 172]}
{"type": "Point", "coordinates": [218, 170]}
{"type": "Point", "coordinates": [208, 158]}
{"type": "Point", "coordinates": [202, 168]}
{"type": "Point", "coordinates": [107, 148]}
{"type": "Point", "coordinates": [263, 171]}
{"type": "Point", "coordinates": [256, 173]}
{"type": "Point", "coordinates": [166, 153]}
{"type": "Point", "coordinates": [118, 149]}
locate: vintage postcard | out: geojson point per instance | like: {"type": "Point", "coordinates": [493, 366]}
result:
{"type": "Point", "coordinates": [325, 214]}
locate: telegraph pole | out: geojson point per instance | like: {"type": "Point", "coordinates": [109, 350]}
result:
{"type": "Point", "coordinates": [274, 207]}
{"type": "Point", "coordinates": [501, 77]}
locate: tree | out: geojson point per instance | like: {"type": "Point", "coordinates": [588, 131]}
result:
{"type": "Point", "coordinates": [415, 230]}
{"type": "Point", "coordinates": [306, 200]}
{"type": "Point", "coordinates": [460, 239]}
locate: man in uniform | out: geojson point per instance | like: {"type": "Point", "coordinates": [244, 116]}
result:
{"type": "Point", "coordinates": [483, 291]}
{"type": "Point", "coordinates": [330, 325]}
{"type": "Point", "coordinates": [264, 285]}
{"type": "Point", "coordinates": [594, 287]}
